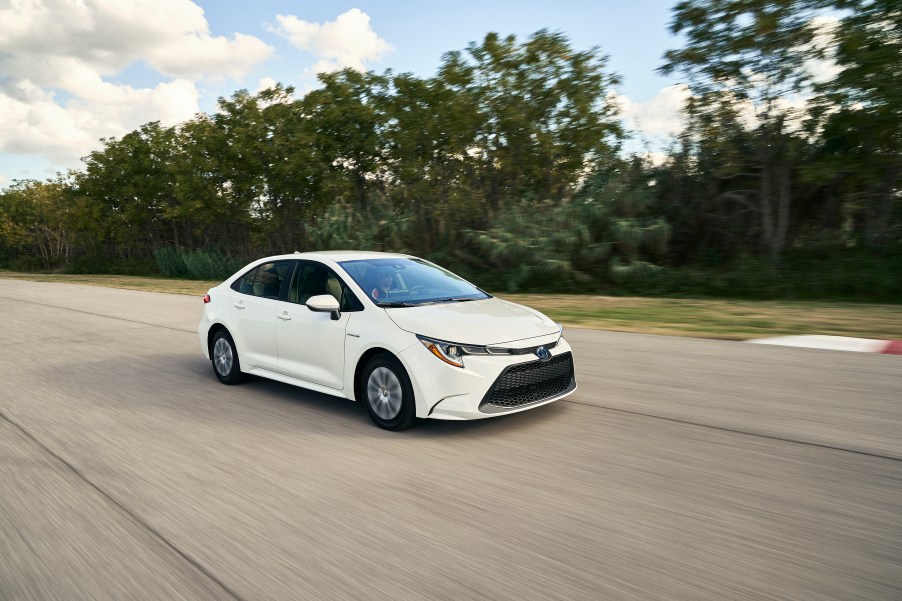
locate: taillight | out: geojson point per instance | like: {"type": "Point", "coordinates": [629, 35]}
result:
{"type": "Point", "coordinates": [206, 298]}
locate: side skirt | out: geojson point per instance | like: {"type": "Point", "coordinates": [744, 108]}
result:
{"type": "Point", "coordinates": [272, 375]}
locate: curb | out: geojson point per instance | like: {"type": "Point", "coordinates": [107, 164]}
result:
{"type": "Point", "coordinates": [835, 343]}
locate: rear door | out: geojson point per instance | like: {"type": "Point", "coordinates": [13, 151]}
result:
{"type": "Point", "coordinates": [254, 310]}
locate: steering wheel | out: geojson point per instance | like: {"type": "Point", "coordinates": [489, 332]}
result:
{"type": "Point", "coordinates": [417, 289]}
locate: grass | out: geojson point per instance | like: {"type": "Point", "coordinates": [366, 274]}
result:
{"type": "Point", "coordinates": [727, 319]}
{"type": "Point", "coordinates": [129, 282]}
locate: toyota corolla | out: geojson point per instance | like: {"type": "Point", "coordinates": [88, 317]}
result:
{"type": "Point", "coordinates": [404, 336]}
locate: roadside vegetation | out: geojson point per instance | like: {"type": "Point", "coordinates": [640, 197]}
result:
{"type": "Point", "coordinates": [702, 318]}
{"type": "Point", "coordinates": [507, 167]}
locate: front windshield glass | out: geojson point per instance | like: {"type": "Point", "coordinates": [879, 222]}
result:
{"type": "Point", "coordinates": [407, 282]}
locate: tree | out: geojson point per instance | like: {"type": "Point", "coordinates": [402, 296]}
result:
{"type": "Point", "coordinates": [126, 189]}
{"type": "Point", "coordinates": [753, 51]}
{"type": "Point", "coordinates": [540, 114]}
{"type": "Point", "coordinates": [707, 188]}
{"type": "Point", "coordinates": [861, 109]}
{"type": "Point", "coordinates": [347, 122]}
{"type": "Point", "coordinates": [35, 219]}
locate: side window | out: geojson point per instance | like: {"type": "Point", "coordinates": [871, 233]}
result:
{"type": "Point", "coordinates": [349, 301]}
{"type": "Point", "coordinates": [314, 279]}
{"type": "Point", "coordinates": [245, 284]}
{"type": "Point", "coordinates": [264, 281]}
{"type": "Point", "coordinates": [302, 283]}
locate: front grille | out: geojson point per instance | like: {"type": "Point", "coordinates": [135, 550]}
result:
{"type": "Point", "coordinates": [527, 383]}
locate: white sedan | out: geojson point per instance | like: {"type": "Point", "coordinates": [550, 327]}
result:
{"type": "Point", "coordinates": [405, 336]}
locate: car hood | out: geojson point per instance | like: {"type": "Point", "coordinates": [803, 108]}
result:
{"type": "Point", "coordinates": [483, 322]}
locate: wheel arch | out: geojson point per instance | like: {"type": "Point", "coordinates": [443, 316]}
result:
{"type": "Point", "coordinates": [361, 364]}
{"type": "Point", "coordinates": [211, 333]}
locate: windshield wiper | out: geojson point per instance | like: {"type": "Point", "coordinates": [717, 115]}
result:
{"type": "Point", "coordinates": [397, 304]}
{"type": "Point", "coordinates": [454, 299]}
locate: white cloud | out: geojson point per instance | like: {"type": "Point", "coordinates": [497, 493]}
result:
{"type": "Point", "coordinates": [348, 41]}
{"type": "Point", "coordinates": [658, 118]}
{"type": "Point", "coordinates": [203, 55]}
{"type": "Point", "coordinates": [33, 121]}
{"type": "Point", "coordinates": [59, 59]}
{"type": "Point", "coordinates": [3, 180]}
{"type": "Point", "coordinates": [43, 39]}
{"type": "Point", "coordinates": [265, 84]}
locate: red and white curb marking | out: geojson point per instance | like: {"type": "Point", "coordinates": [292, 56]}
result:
{"type": "Point", "coordinates": [836, 343]}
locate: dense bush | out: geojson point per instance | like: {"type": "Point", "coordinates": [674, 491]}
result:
{"type": "Point", "coordinates": [196, 264]}
{"type": "Point", "coordinates": [171, 262]}
{"type": "Point", "coordinates": [102, 264]}
{"type": "Point", "coordinates": [604, 235]}
{"type": "Point", "coordinates": [210, 265]}
{"type": "Point", "coordinates": [828, 274]}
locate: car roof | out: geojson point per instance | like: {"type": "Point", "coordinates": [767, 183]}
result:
{"type": "Point", "coordinates": [338, 255]}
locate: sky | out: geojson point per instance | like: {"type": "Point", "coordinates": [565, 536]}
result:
{"type": "Point", "coordinates": [75, 71]}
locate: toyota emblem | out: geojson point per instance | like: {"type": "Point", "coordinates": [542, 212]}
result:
{"type": "Point", "coordinates": [543, 354]}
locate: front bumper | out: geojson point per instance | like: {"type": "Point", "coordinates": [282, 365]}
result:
{"type": "Point", "coordinates": [516, 382]}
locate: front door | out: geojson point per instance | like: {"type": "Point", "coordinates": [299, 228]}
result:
{"type": "Point", "coordinates": [312, 345]}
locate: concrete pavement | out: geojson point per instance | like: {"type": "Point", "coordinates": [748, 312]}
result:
{"type": "Point", "coordinates": [681, 469]}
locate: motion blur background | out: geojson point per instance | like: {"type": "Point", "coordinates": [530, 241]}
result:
{"type": "Point", "coordinates": [512, 165]}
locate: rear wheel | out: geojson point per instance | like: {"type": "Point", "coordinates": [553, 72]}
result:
{"type": "Point", "coordinates": [388, 393]}
{"type": "Point", "coordinates": [225, 359]}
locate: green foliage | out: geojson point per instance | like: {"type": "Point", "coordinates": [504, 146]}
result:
{"type": "Point", "coordinates": [755, 48]}
{"type": "Point", "coordinates": [859, 113]}
{"type": "Point", "coordinates": [209, 265]}
{"type": "Point", "coordinates": [99, 264]}
{"type": "Point", "coordinates": [835, 274]}
{"type": "Point", "coordinates": [538, 112]}
{"type": "Point", "coordinates": [35, 222]}
{"type": "Point", "coordinates": [603, 235]}
{"type": "Point", "coordinates": [196, 264]}
{"type": "Point", "coordinates": [749, 55]}
{"type": "Point", "coordinates": [171, 262]}
{"type": "Point", "coordinates": [342, 228]}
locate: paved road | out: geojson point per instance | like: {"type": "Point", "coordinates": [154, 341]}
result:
{"type": "Point", "coordinates": [681, 469]}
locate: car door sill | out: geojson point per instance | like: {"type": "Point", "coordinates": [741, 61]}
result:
{"type": "Point", "coordinates": [272, 375]}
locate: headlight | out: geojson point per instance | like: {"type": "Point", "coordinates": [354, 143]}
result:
{"type": "Point", "coordinates": [453, 353]}
{"type": "Point", "coordinates": [448, 352]}
{"type": "Point", "coordinates": [560, 334]}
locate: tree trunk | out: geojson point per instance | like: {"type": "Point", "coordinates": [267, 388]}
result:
{"type": "Point", "coordinates": [775, 164]}
{"type": "Point", "coordinates": [784, 199]}
{"type": "Point", "coordinates": [879, 216]}
{"type": "Point", "coordinates": [765, 201]}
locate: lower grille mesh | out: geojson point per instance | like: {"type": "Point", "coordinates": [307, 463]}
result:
{"type": "Point", "coordinates": [531, 382]}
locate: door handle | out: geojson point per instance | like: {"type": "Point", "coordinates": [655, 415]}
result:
{"type": "Point", "coordinates": [239, 305]}
{"type": "Point", "coordinates": [284, 316]}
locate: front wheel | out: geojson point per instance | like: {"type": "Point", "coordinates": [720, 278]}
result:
{"type": "Point", "coordinates": [225, 359]}
{"type": "Point", "coordinates": [388, 393]}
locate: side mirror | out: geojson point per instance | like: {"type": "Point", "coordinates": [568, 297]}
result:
{"type": "Point", "coordinates": [324, 303]}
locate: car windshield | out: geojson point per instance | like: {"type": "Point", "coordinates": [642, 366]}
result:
{"type": "Point", "coordinates": [409, 282]}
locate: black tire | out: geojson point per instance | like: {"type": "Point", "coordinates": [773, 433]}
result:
{"type": "Point", "coordinates": [224, 357]}
{"type": "Point", "coordinates": [386, 391]}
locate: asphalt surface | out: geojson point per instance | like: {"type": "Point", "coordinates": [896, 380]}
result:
{"type": "Point", "coordinates": [681, 469]}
